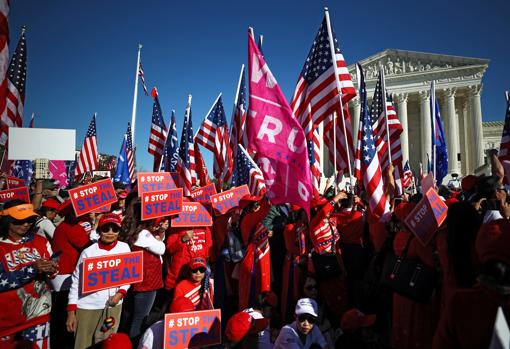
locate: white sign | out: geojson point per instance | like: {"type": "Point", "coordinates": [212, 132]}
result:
{"type": "Point", "coordinates": [41, 143]}
{"type": "Point", "coordinates": [102, 173]}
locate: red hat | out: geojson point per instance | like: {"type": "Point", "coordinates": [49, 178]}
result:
{"type": "Point", "coordinates": [117, 340]}
{"type": "Point", "coordinates": [450, 201]}
{"type": "Point", "coordinates": [249, 199]}
{"type": "Point", "coordinates": [51, 204]}
{"type": "Point", "coordinates": [493, 241]}
{"type": "Point", "coordinates": [354, 319]}
{"type": "Point", "coordinates": [109, 218]}
{"type": "Point", "coordinates": [242, 324]}
{"type": "Point", "coordinates": [66, 207]}
{"type": "Point", "coordinates": [403, 210]}
{"type": "Point", "coordinates": [468, 182]}
{"type": "Point", "coordinates": [122, 194]}
{"type": "Point", "coordinates": [181, 305]}
{"type": "Point", "coordinates": [197, 263]}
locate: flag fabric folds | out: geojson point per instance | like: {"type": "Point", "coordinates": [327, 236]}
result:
{"type": "Point", "coordinates": [130, 154]}
{"type": "Point", "coordinates": [440, 155]}
{"type": "Point", "coordinates": [247, 172]}
{"type": "Point", "coordinates": [213, 135]}
{"type": "Point", "coordinates": [88, 158]}
{"type": "Point", "coordinates": [158, 132]}
{"type": "Point", "coordinates": [170, 153]}
{"type": "Point", "coordinates": [504, 148]}
{"type": "Point", "coordinates": [368, 160]}
{"type": "Point", "coordinates": [408, 178]}
{"type": "Point", "coordinates": [201, 168]}
{"type": "Point", "coordinates": [276, 136]}
{"type": "Point", "coordinates": [238, 121]}
{"type": "Point", "coordinates": [186, 160]}
{"type": "Point", "coordinates": [314, 151]}
{"type": "Point", "coordinates": [4, 62]}
{"type": "Point", "coordinates": [122, 169]}
{"type": "Point", "coordinates": [142, 78]}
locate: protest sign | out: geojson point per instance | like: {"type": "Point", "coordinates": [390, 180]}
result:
{"type": "Point", "coordinates": [506, 169]}
{"type": "Point", "coordinates": [203, 194]}
{"type": "Point", "coordinates": [15, 193]}
{"type": "Point", "coordinates": [224, 201]}
{"type": "Point", "coordinates": [104, 272]}
{"type": "Point", "coordinates": [193, 215]}
{"type": "Point", "coordinates": [427, 216]}
{"type": "Point", "coordinates": [161, 203]}
{"type": "Point", "coordinates": [154, 181]}
{"type": "Point", "coordinates": [427, 182]}
{"type": "Point", "coordinates": [192, 329]}
{"type": "Point", "coordinates": [90, 197]}
{"type": "Point", "coordinates": [41, 143]}
{"type": "Point", "coordinates": [14, 182]}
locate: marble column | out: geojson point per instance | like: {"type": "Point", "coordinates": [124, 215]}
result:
{"type": "Point", "coordinates": [355, 119]}
{"type": "Point", "coordinates": [468, 136]}
{"type": "Point", "coordinates": [425, 125]}
{"type": "Point", "coordinates": [474, 92]}
{"type": "Point", "coordinates": [401, 99]}
{"type": "Point", "coordinates": [452, 136]}
{"type": "Point", "coordinates": [462, 136]}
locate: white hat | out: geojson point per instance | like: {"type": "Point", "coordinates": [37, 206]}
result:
{"type": "Point", "coordinates": [306, 306]}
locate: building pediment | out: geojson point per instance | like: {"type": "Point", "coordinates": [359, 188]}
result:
{"type": "Point", "coordinates": [411, 65]}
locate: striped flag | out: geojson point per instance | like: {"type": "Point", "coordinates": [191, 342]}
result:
{"type": "Point", "coordinates": [314, 150]}
{"type": "Point", "coordinates": [4, 57]}
{"type": "Point", "coordinates": [213, 135]}
{"type": "Point", "coordinates": [158, 132]}
{"type": "Point", "coordinates": [408, 179]}
{"type": "Point", "coordinates": [504, 148]}
{"type": "Point", "coordinates": [201, 168]}
{"type": "Point", "coordinates": [130, 154]}
{"type": "Point", "coordinates": [170, 153]}
{"type": "Point", "coordinates": [12, 115]}
{"type": "Point", "coordinates": [88, 158]}
{"type": "Point", "coordinates": [341, 148]}
{"type": "Point", "coordinates": [368, 160]}
{"type": "Point", "coordinates": [186, 160]}
{"type": "Point", "coordinates": [247, 172]}
{"type": "Point", "coordinates": [238, 121]}
{"type": "Point", "coordinates": [316, 96]}
{"type": "Point", "coordinates": [142, 78]}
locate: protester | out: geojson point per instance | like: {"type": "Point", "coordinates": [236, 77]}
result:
{"type": "Point", "coordinates": [302, 333]}
{"type": "Point", "coordinates": [241, 327]}
{"type": "Point", "coordinates": [199, 286]}
{"type": "Point", "coordinates": [94, 316]}
{"type": "Point", "coordinates": [47, 213]}
{"type": "Point", "coordinates": [25, 266]}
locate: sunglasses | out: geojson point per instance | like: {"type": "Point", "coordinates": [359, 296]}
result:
{"type": "Point", "coordinates": [311, 287]}
{"type": "Point", "coordinates": [107, 228]}
{"type": "Point", "coordinates": [23, 221]}
{"type": "Point", "coordinates": [306, 317]}
{"type": "Point", "coordinates": [198, 270]}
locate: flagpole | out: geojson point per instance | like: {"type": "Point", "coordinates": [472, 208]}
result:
{"type": "Point", "coordinates": [506, 96]}
{"type": "Point", "coordinates": [383, 88]}
{"type": "Point", "coordinates": [209, 112]}
{"type": "Point", "coordinates": [332, 48]}
{"type": "Point", "coordinates": [135, 95]}
{"type": "Point", "coordinates": [433, 114]}
{"type": "Point", "coordinates": [237, 92]}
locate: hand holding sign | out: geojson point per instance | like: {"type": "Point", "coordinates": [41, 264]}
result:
{"type": "Point", "coordinates": [224, 201]}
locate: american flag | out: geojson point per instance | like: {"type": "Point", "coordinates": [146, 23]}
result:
{"type": "Point", "coordinates": [88, 158]}
{"type": "Point", "coordinates": [170, 154]}
{"type": "Point", "coordinates": [142, 78]}
{"type": "Point", "coordinates": [314, 150]}
{"type": "Point", "coordinates": [12, 115]}
{"type": "Point", "coordinates": [366, 156]}
{"type": "Point", "coordinates": [238, 121]}
{"type": "Point", "coordinates": [504, 148]}
{"type": "Point", "coordinates": [408, 179]}
{"type": "Point", "coordinates": [201, 168]}
{"type": "Point", "coordinates": [316, 95]}
{"type": "Point", "coordinates": [186, 159]}
{"type": "Point", "coordinates": [158, 133]}
{"type": "Point", "coordinates": [341, 148]}
{"type": "Point", "coordinates": [130, 154]}
{"type": "Point", "coordinates": [247, 172]}
{"type": "Point", "coordinates": [213, 135]}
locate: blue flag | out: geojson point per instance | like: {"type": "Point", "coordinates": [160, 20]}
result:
{"type": "Point", "coordinates": [122, 170]}
{"type": "Point", "coordinates": [440, 160]}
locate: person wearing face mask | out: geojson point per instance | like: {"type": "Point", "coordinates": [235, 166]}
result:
{"type": "Point", "coordinates": [88, 313]}
{"type": "Point", "coordinates": [302, 333]}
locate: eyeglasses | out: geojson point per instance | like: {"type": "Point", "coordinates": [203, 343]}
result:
{"type": "Point", "coordinates": [23, 221]}
{"type": "Point", "coordinates": [311, 287]}
{"type": "Point", "coordinates": [198, 270]}
{"type": "Point", "coordinates": [307, 317]}
{"type": "Point", "coordinates": [107, 228]}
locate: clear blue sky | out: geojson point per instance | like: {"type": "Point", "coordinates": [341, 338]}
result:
{"type": "Point", "coordinates": [82, 54]}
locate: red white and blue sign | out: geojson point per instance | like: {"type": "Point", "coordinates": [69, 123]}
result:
{"type": "Point", "coordinates": [203, 194]}
{"type": "Point", "coordinates": [194, 329]}
{"type": "Point", "coordinates": [154, 181]}
{"type": "Point", "coordinates": [16, 193]}
{"type": "Point", "coordinates": [90, 197]}
{"type": "Point", "coordinates": [104, 272]}
{"type": "Point", "coordinates": [427, 217]}
{"type": "Point", "coordinates": [14, 182]}
{"type": "Point", "coordinates": [224, 201]}
{"type": "Point", "coordinates": [161, 203]}
{"type": "Point", "coordinates": [193, 214]}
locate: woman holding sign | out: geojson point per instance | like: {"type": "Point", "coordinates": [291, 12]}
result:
{"type": "Point", "coordinates": [94, 316]}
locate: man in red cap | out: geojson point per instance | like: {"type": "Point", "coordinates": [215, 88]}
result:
{"type": "Point", "coordinates": [47, 213]}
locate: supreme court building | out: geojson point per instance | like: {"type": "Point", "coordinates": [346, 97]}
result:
{"type": "Point", "coordinates": [458, 89]}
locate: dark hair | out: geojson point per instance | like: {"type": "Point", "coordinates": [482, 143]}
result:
{"type": "Point", "coordinates": [497, 271]}
{"type": "Point", "coordinates": [132, 223]}
{"type": "Point", "coordinates": [348, 201]}
{"type": "Point", "coordinates": [5, 221]}
{"type": "Point", "coordinates": [463, 224]}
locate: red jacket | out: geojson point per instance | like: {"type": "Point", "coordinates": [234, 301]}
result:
{"type": "Point", "coordinates": [350, 226]}
{"type": "Point", "coordinates": [71, 240]}
{"type": "Point", "coordinates": [181, 253]}
{"type": "Point", "coordinates": [323, 230]}
{"type": "Point", "coordinates": [152, 271]}
{"type": "Point", "coordinates": [191, 290]}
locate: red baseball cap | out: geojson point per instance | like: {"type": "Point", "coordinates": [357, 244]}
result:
{"type": "Point", "coordinates": [249, 199]}
{"type": "Point", "coordinates": [242, 324]}
{"type": "Point", "coordinates": [117, 340]}
{"type": "Point", "coordinates": [354, 319]}
{"type": "Point", "coordinates": [51, 204]}
{"type": "Point", "coordinates": [197, 263]}
{"type": "Point", "coordinates": [109, 218]}
{"type": "Point", "coordinates": [181, 305]}
{"type": "Point", "coordinates": [403, 210]}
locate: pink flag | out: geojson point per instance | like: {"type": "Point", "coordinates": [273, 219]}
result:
{"type": "Point", "coordinates": [58, 172]}
{"type": "Point", "coordinates": [276, 136]}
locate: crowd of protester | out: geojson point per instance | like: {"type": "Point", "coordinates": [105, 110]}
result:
{"type": "Point", "coordinates": [282, 277]}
